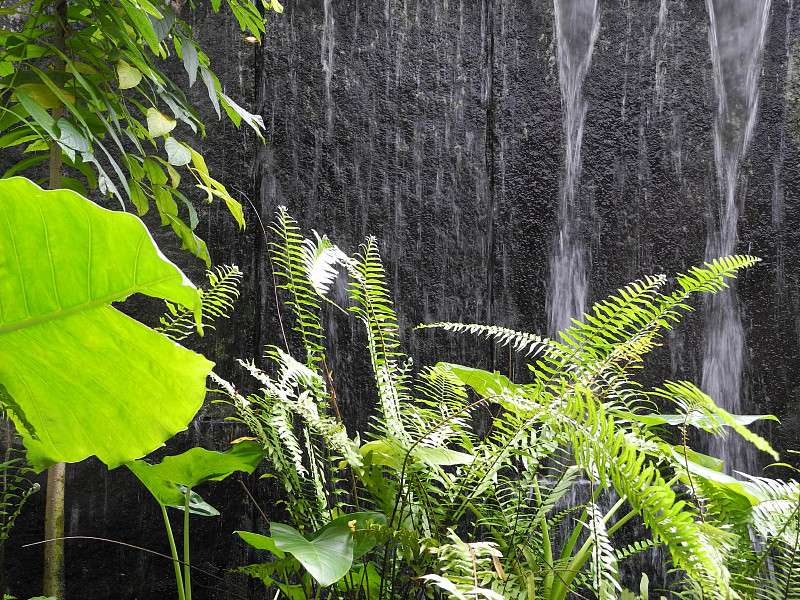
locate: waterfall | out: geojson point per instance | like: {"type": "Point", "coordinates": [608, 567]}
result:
{"type": "Point", "coordinates": [737, 31]}
{"type": "Point", "coordinates": [577, 24]}
{"type": "Point", "coordinates": [327, 45]}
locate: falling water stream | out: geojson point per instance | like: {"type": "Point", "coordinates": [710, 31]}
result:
{"type": "Point", "coordinates": [737, 31]}
{"type": "Point", "coordinates": [577, 25]}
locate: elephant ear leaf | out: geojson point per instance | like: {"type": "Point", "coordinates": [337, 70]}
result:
{"type": "Point", "coordinates": [79, 377]}
{"type": "Point", "coordinates": [198, 465]}
{"type": "Point", "coordinates": [328, 557]}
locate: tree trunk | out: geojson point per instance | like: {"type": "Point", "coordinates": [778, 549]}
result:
{"type": "Point", "coordinates": [53, 582]}
{"type": "Point", "coordinates": [53, 579]}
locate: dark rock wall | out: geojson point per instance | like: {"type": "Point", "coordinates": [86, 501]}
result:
{"type": "Point", "coordinates": [436, 126]}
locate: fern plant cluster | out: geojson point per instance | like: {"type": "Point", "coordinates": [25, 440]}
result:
{"type": "Point", "coordinates": [461, 513]}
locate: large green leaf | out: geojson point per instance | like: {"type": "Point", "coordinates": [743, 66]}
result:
{"type": "Point", "coordinates": [328, 557]}
{"type": "Point", "coordinates": [364, 538]}
{"type": "Point", "coordinates": [198, 465]}
{"type": "Point", "coordinates": [743, 491]}
{"type": "Point", "coordinates": [80, 377]}
{"type": "Point", "coordinates": [167, 493]}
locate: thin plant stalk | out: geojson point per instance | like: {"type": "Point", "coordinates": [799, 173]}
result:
{"type": "Point", "coordinates": [174, 551]}
{"type": "Point", "coordinates": [53, 578]}
{"type": "Point", "coordinates": [186, 567]}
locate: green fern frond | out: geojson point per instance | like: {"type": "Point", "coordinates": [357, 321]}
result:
{"type": "Point", "coordinates": [217, 302]}
{"type": "Point", "coordinates": [697, 399]}
{"type": "Point", "coordinates": [527, 344]}
{"type": "Point", "coordinates": [320, 259]}
{"type": "Point", "coordinates": [603, 449]}
{"type": "Point", "coordinates": [442, 413]}
{"type": "Point", "coordinates": [634, 548]}
{"type": "Point", "coordinates": [468, 569]}
{"type": "Point", "coordinates": [373, 306]}
{"type": "Point", "coordinates": [711, 276]}
{"type": "Point", "coordinates": [291, 260]}
{"type": "Point", "coordinates": [16, 489]}
{"type": "Point", "coordinates": [603, 570]}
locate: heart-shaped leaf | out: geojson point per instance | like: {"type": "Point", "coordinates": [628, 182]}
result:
{"type": "Point", "coordinates": [80, 377]}
{"type": "Point", "coordinates": [177, 153]}
{"type": "Point", "coordinates": [365, 540]}
{"type": "Point", "coordinates": [198, 465]}
{"type": "Point", "coordinates": [327, 558]}
{"type": "Point", "coordinates": [158, 123]}
{"type": "Point", "coordinates": [129, 76]}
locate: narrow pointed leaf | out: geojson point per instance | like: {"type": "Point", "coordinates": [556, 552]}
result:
{"type": "Point", "coordinates": [190, 60]}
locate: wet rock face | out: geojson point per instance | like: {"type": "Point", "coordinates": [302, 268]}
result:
{"type": "Point", "coordinates": [437, 126]}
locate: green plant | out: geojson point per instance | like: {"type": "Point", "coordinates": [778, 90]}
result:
{"type": "Point", "coordinates": [96, 66]}
{"type": "Point", "coordinates": [85, 62]}
{"type": "Point", "coordinates": [216, 301]}
{"type": "Point", "coordinates": [15, 489]}
{"type": "Point", "coordinates": [764, 517]}
{"type": "Point", "coordinates": [171, 482]}
{"type": "Point", "coordinates": [72, 367]}
{"type": "Point", "coordinates": [477, 514]}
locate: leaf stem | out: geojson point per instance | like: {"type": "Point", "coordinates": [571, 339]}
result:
{"type": "Point", "coordinates": [174, 551]}
{"type": "Point", "coordinates": [186, 566]}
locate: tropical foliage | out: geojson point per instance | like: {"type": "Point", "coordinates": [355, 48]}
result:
{"type": "Point", "coordinates": [171, 482]}
{"type": "Point", "coordinates": [526, 508]}
{"type": "Point", "coordinates": [99, 68]}
{"type": "Point", "coordinates": [72, 367]}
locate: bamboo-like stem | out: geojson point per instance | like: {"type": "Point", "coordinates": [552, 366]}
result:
{"type": "Point", "coordinates": [53, 577]}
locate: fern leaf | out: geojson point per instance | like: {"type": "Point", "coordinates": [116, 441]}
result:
{"type": "Point", "coordinates": [374, 308]}
{"type": "Point", "coordinates": [291, 260]}
{"type": "Point", "coordinates": [217, 302]}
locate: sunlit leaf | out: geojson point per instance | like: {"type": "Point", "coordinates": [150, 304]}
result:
{"type": "Point", "coordinates": [198, 465]}
{"type": "Point", "coordinates": [87, 379]}
{"type": "Point", "coordinates": [177, 153]}
{"type": "Point", "coordinates": [158, 123]}
{"type": "Point", "coordinates": [129, 76]}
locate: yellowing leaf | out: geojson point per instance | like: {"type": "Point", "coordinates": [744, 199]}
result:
{"type": "Point", "coordinates": [129, 77]}
{"type": "Point", "coordinates": [158, 123]}
{"type": "Point", "coordinates": [83, 68]}
{"type": "Point", "coordinates": [42, 95]}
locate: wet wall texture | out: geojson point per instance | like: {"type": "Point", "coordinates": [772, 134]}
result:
{"type": "Point", "coordinates": [436, 126]}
